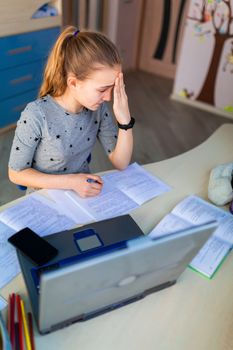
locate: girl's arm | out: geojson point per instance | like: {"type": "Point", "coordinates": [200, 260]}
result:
{"type": "Point", "coordinates": [122, 153]}
{"type": "Point", "coordinates": [77, 182]}
{"type": "Point", "coordinates": [121, 156]}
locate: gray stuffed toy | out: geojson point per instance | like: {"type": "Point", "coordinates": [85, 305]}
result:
{"type": "Point", "coordinates": [220, 190]}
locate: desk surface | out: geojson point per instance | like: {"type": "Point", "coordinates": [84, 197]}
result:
{"type": "Point", "coordinates": [194, 314]}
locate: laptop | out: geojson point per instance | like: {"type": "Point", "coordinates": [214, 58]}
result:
{"type": "Point", "coordinates": [103, 266]}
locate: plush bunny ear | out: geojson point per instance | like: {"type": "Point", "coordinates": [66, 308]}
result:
{"type": "Point", "coordinates": [220, 190]}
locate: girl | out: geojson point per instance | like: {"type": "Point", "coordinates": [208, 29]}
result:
{"type": "Point", "coordinates": [56, 133]}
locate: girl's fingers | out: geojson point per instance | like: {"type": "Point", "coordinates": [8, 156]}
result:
{"type": "Point", "coordinates": [116, 91]}
{"type": "Point", "coordinates": [93, 192]}
{"type": "Point", "coordinates": [116, 82]}
{"type": "Point", "coordinates": [121, 81]}
{"type": "Point", "coordinates": [122, 86]}
{"type": "Point", "coordinates": [95, 186]}
{"type": "Point", "coordinates": [120, 104]}
{"type": "Point", "coordinates": [94, 177]}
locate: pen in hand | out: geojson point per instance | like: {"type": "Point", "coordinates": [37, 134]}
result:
{"type": "Point", "coordinates": [92, 181]}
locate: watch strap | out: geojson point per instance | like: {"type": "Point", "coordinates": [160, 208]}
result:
{"type": "Point", "coordinates": [127, 126]}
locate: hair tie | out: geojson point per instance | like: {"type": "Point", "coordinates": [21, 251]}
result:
{"type": "Point", "coordinates": [76, 32]}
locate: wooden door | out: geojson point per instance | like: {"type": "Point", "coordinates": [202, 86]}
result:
{"type": "Point", "coordinates": [162, 27]}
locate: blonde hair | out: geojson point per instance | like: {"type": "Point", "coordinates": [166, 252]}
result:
{"type": "Point", "coordinates": [78, 53]}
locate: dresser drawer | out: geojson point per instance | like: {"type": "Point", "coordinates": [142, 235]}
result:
{"type": "Point", "coordinates": [20, 79]}
{"type": "Point", "coordinates": [23, 48]}
{"type": "Point", "coordinates": [11, 108]}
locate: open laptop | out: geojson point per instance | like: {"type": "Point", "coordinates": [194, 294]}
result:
{"type": "Point", "coordinates": [103, 266]}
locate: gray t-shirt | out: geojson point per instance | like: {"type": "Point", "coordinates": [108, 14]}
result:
{"type": "Point", "coordinates": [54, 141]}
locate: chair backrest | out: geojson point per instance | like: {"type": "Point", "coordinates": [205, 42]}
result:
{"type": "Point", "coordinates": [22, 188]}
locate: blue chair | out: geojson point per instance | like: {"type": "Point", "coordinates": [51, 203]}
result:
{"type": "Point", "coordinates": [89, 158]}
{"type": "Point", "coordinates": [22, 188]}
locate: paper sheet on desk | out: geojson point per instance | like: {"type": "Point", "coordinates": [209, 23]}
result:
{"type": "Point", "coordinates": [210, 256]}
{"type": "Point", "coordinates": [109, 203]}
{"type": "Point", "coordinates": [195, 211]}
{"type": "Point", "coordinates": [38, 213]}
{"type": "Point", "coordinates": [35, 212]}
{"type": "Point", "coordinates": [9, 266]}
{"type": "Point", "coordinates": [68, 208]}
{"type": "Point", "coordinates": [3, 303]}
{"type": "Point", "coordinates": [122, 192]}
{"type": "Point", "coordinates": [137, 183]}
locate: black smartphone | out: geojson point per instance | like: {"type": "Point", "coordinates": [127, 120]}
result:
{"type": "Point", "coordinates": [33, 246]}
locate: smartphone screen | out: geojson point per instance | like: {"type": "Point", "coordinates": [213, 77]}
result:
{"type": "Point", "coordinates": [33, 246]}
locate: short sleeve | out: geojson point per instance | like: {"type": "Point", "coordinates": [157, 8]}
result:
{"type": "Point", "coordinates": [26, 139]}
{"type": "Point", "coordinates": [108, 130]}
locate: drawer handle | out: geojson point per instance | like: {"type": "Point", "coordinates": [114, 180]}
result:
{"type": "Point", "coordinates": [19, 50]}
{"type": "Point", "coordinates": [21, 79]}
{"type": "Point", "coordinates": [19, 107]}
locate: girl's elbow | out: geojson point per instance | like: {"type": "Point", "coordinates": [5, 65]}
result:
{"type": "Point", "coordinates": [122, 166]}
{"type": "Point", "coordinates": [12, 175]}
{"type": "Point", "coordinates": [119, 164]}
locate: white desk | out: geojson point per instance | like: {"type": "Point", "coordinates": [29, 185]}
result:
{"type": "Point", "coordinates": [194, 314]}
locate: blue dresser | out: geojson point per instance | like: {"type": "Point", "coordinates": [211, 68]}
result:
{"type": "Point", "coordinates": [22, 59]}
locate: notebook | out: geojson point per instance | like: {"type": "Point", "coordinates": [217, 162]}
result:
{"type": "Point", "coordinates": [103, 266]}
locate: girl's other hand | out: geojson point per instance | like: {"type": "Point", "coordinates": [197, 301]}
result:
{"type": "Point", "coordinates": [86, 185]}
{"type": "Point", "coordinates": [120, 103]}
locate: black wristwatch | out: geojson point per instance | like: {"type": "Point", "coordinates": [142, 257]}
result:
{"type": "Point", "coordinates": [127, 126]}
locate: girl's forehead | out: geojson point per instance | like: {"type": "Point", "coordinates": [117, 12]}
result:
{"type": "Point", "coordinates": [105, 75]}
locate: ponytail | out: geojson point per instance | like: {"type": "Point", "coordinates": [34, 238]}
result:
{"type": "Point", "coordinates": [78, 53]}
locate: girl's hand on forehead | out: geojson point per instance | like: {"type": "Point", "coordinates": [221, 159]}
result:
{"type": "Point", "coordinates": [120, 103]}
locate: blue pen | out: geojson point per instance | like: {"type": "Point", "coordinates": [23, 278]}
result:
{"type": "Point", "coordinates": [92, 181]}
